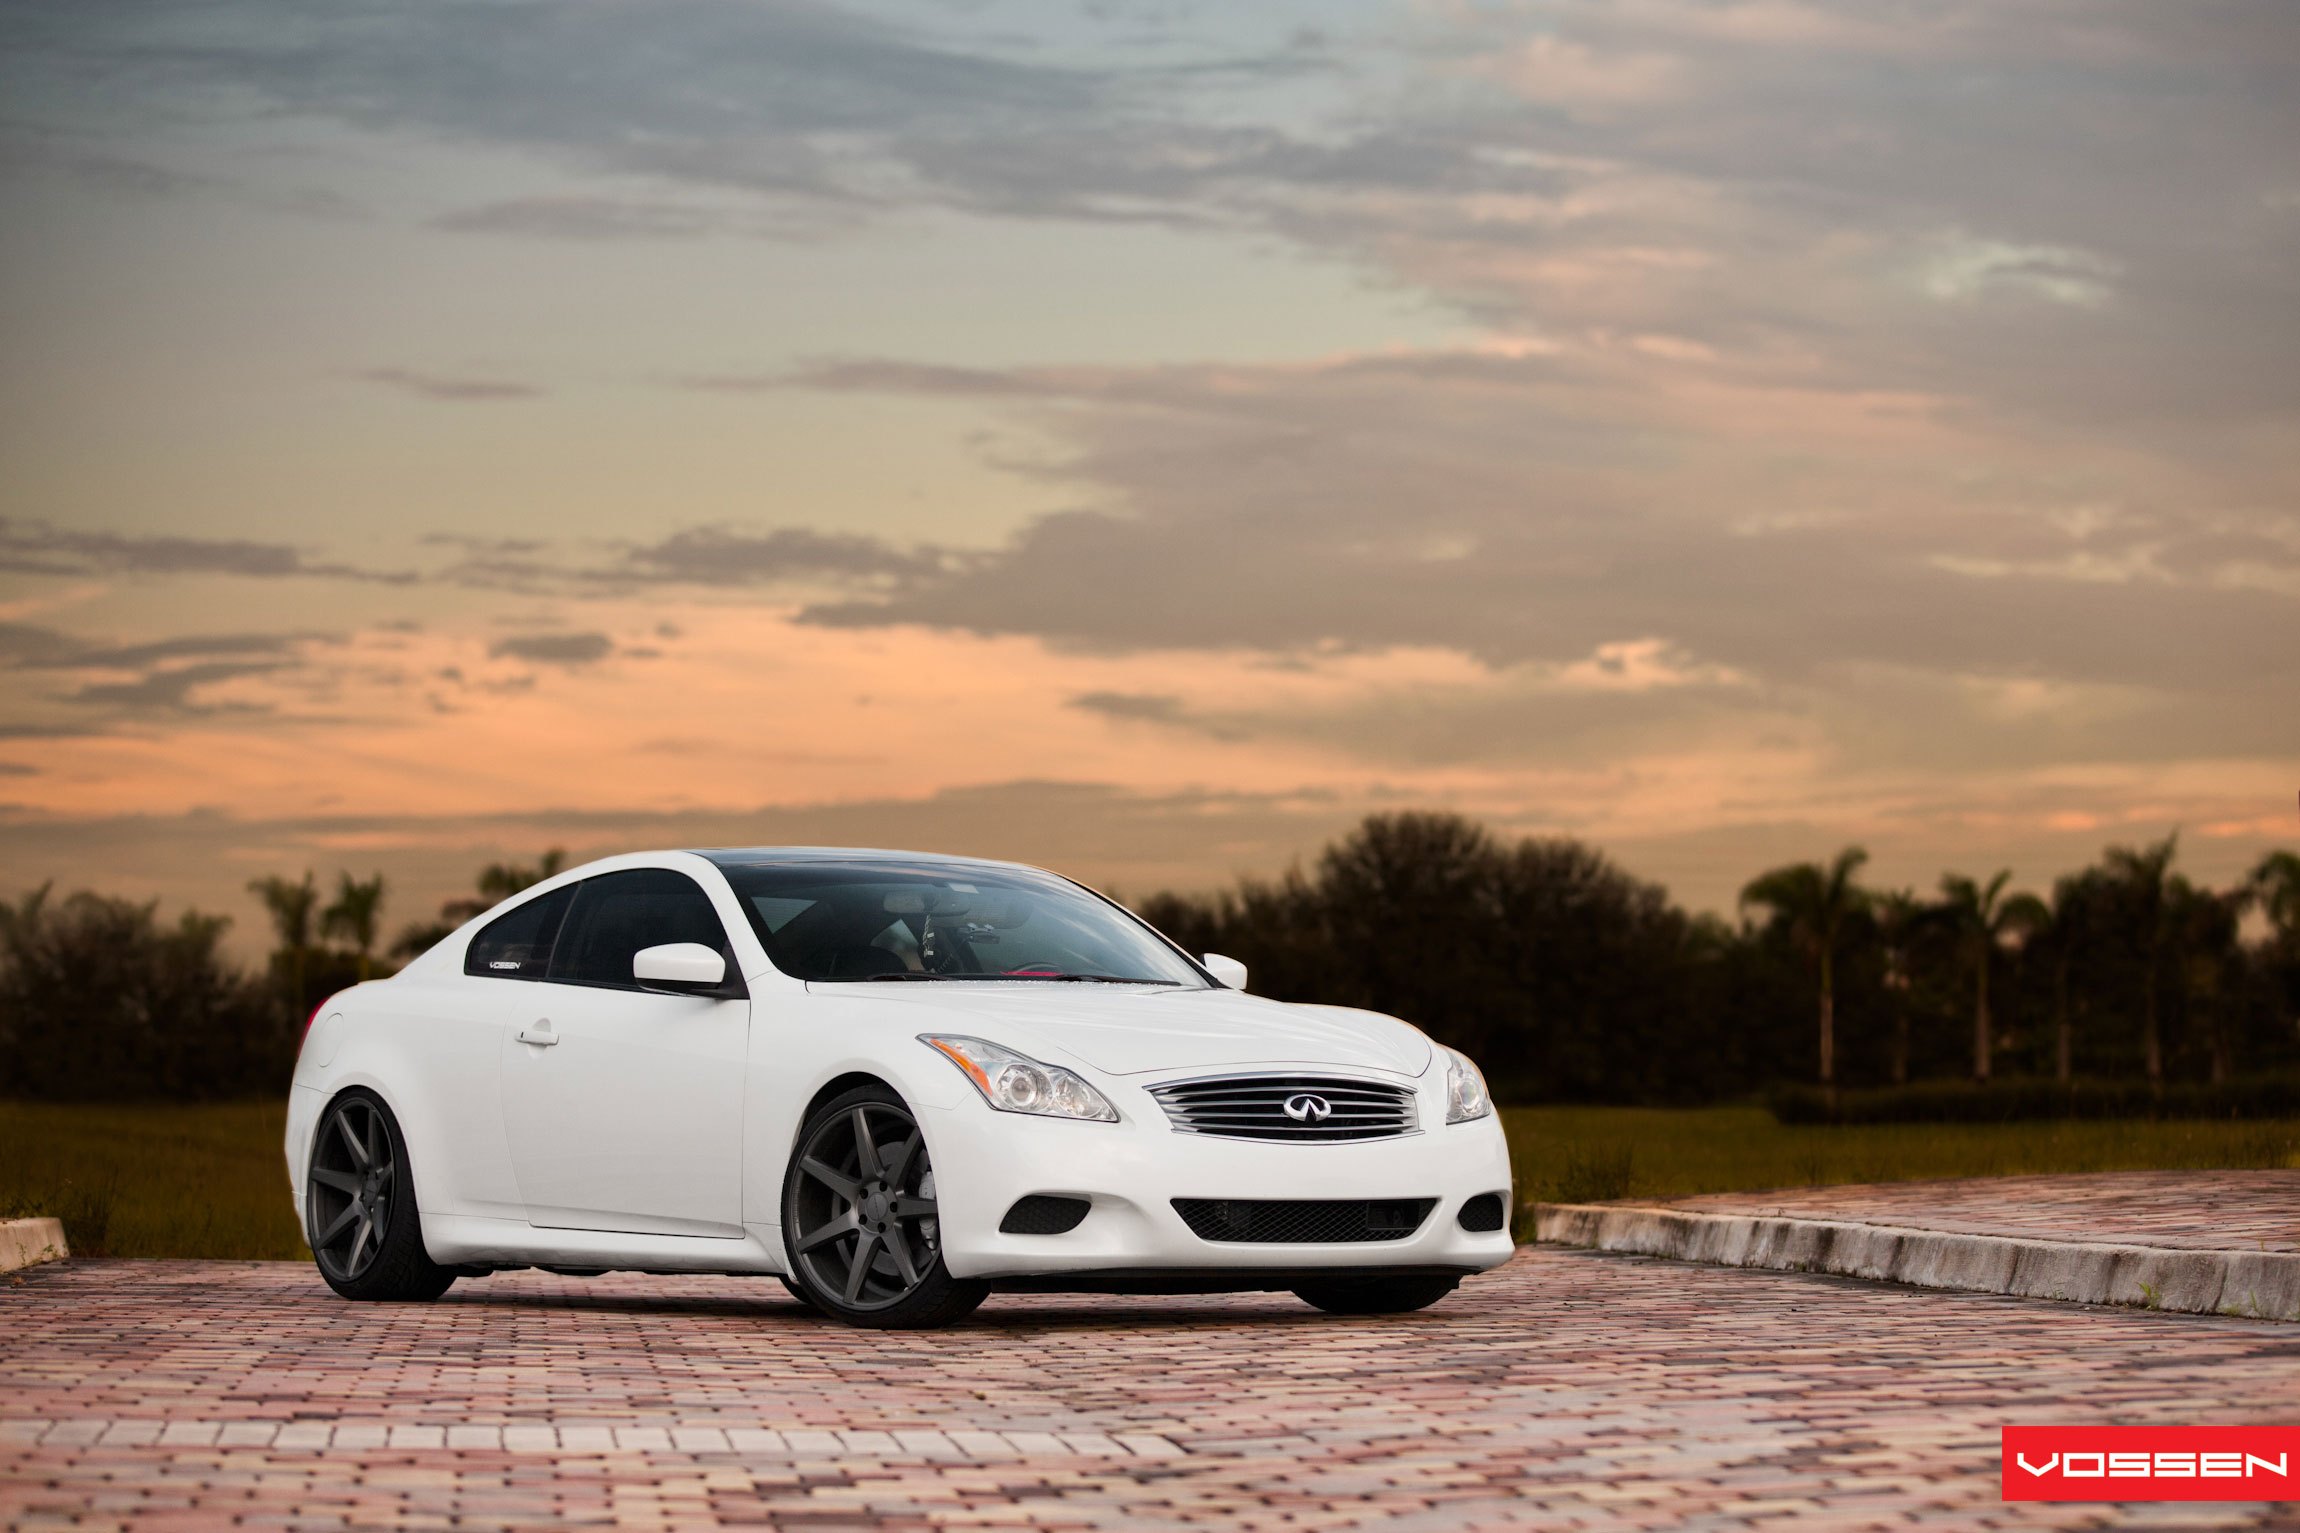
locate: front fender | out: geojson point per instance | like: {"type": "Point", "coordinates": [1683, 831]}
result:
{"type": "Point", "coordinates": [778, 1097]}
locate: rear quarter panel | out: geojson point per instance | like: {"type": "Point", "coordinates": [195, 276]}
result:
{"type": "Point", "coordinates": [430, 1046]}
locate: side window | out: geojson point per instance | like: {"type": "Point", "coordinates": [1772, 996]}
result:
{"type": "Point", "coordinates": [517, 944]}
{"type": "Point", "coordinates": [617, 914]}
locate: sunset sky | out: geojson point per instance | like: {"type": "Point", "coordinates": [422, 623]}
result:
{"type": "Point", "coordinates": [1143, 437]}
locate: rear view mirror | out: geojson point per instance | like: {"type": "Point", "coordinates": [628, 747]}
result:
{"type": "Point", "coordinates": [683, 968]}
{"type": "Point", "coordinates": [1226, 971]}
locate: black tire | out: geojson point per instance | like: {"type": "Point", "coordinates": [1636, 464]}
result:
{"type": "Point", "coordinates": [800, 1294]}
{"type": "Point", "coordinates": [359, 1207]}
{"type": "Point", "coordinates": [860, 1227]}
{"type": "Point", "coordinates": [1378, 1295]}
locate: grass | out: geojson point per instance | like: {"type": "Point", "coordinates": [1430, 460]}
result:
{"type": "Point", "coordinates": [208, 1181]}
{"type": "Point", "coordinates": [1589, 1154]}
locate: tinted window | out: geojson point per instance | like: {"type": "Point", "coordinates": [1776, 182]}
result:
{"type": "Point", "coordinates": [617, 914]}
{"type": "Point", "coordinates": [884, 920]}
{"type": "Point", "coordinates": [517, 944]}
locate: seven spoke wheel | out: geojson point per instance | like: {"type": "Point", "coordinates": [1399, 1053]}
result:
{"type": "Point", "coordinates": [359, 1207]}
{"type": "Point", "coordinates": [860, 1216]}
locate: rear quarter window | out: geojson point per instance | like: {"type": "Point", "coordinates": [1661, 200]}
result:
{"type": "Point", "coordinates": [517, 943]}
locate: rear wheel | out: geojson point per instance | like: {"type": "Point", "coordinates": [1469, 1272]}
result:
{"type": "Point", "coordinates": [359, 1206]}
{"type": "Point", "coordinates": [1377, 1295]}
{"type": "Point", "coordinates": [860, 1222]}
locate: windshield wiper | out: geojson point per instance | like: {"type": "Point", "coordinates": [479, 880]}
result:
{"type": "Point", "coordinates": [879, 979]}
{"type": "Point", "coordinates": [923, 974]}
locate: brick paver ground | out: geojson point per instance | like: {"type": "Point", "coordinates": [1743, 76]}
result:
{"type": "Point", "coordinates": [2183, 1210]}
{"type": "Point", "coordinates": [1569, 1389]}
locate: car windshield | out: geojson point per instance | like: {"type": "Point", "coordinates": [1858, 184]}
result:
{"type": "Point", "coordinates": [889, 921]}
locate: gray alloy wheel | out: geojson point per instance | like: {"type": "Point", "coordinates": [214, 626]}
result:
{"type": "Point", "coordinates": [860, 1220]}
{"type": "Point", "coordinates": [359, 1206]}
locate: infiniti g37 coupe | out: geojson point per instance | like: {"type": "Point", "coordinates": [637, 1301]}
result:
{"type": "Point", "coordinates": [895, 1081]}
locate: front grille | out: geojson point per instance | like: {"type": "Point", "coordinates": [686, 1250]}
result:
{"type": "Point", "coordinates": [1256, 1107]}
{"type": "Point", "coordinates": [1333, 1223]}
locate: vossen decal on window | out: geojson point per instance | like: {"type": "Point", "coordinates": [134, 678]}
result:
{"type": "Point", "coordinates": [2128, 1463]}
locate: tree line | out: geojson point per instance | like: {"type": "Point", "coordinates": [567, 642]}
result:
{"type": "Point", "coordinates": [1567, 977]}
{"type": "Point", "coordinates": [1572, 980]}
{"type": "Point", "coordinates": [100, 1000]}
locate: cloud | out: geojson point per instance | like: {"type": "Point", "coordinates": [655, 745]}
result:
{"type": "Point", "coordinates": [1968, 268]}
{"type": "Point", "coordinates": [1795, 180]}
{"type": "Point", "coordinates": [439, 386]}
{"type": "Point", "coordinates": [119, 174]}
{"type": "Point", "coordinates": [727, 556]}
{"type": "Point", "coordinates": [1154, 708]}
{"type": "Point", "coordinates": [41, 549]}
{"type": "Point", "coordinates": [712, 555]}
{"type": "Point", "coordinates": [170, 691]}
{"type": "Point", "coordinates": [128, 657]}
{"type": "Point", "coordinates": [28, 644]}
{"type": "Point", "coordinates": [10, 731]}
{"type": "Point", "coordinates": [554, 648]}
{"type": "Point", "coordinates": [160, 684]}
{"type": "Point", "coordinates": [582, 218]}
{"type": "Point", "coordinates": [1915, 386]}
{"type": "Point", "coordinates": [1538, 510]}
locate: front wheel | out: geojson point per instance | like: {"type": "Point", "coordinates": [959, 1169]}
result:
{"type": "Point", "coordinates": [359, 1206]}
{"type": "Point", "coordinates": [860, 1224]}
{"type": "Point", "coordinates": [1377, 1295]}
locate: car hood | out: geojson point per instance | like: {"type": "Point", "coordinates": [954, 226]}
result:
{"type": "Point", "coordinates": [1135, 1030]}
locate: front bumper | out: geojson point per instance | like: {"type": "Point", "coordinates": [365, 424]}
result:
{"type": "Point", "coordinates": [1130, 1172]}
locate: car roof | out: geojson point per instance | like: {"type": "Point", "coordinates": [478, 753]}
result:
{"type": "Point", "coordinates": [848, 856]}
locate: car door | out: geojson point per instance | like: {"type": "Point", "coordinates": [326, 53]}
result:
{"type": "Point", "coordinates": [624, 1107]}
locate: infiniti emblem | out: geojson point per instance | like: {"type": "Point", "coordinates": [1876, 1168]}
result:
{"type": "Point", "coordinates": [1308, 1109]}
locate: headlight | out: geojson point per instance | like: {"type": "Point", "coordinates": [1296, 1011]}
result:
{"type": "Point", "coordinates": [1465, 1096]}
{"type": "Point", "coordinates": [1013, 1082]}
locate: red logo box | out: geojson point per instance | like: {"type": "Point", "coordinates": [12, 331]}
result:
{"type": "Point", "coordinates": [2151, 1463]}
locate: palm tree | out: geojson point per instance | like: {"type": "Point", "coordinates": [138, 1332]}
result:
{"type": "Point", "coordinates": [2143, 876]}
{"type": "Point", "coordinates": [355, 915]}
{"type": "Point", "coordinates": [2275, 886]}
{"type": "Point", "coordinates": [1982, 918]}
{"type": "Point", "coordinates": [291, 907]}
{"type": "Point", "coordinates": [20, 923]}
{"type": "Point", "coordinates": [2064, 928]}
{"type": "Point", "coordinates": [1899, 917]}
{"type": "Point", "coordinates": [1814, 903]}
{"type": "Point", "coordinates": [2205, 923]}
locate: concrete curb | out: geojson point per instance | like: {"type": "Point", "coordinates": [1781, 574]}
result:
{"type": "Point", "coordinates": [25, 1241]}
{"type": "Point", "coordinates": [2262, 1285]}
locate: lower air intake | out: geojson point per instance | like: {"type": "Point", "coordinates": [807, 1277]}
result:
{"type": "Point", "coordinates": [1042, 1214]}
{"type": "Point", "coordinates": [1347, 1221]}
{"type": "Point", "coordinates": [1481, 1215]}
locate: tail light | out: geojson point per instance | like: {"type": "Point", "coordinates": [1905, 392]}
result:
{"type": "Point", "coordinates": [305, 1037]}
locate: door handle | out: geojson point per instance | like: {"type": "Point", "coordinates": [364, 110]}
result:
{"type": "Point", "coordinates": [539, 1035]}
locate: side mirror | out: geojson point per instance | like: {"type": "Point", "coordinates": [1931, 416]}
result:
{"type": "Point", "coordinates": [682, 968]}
{"type": "Point", "coordinates": [1226, 971]}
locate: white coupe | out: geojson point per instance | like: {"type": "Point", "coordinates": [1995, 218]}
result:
{"type": "Point", "coordinates": [896, 1081]}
